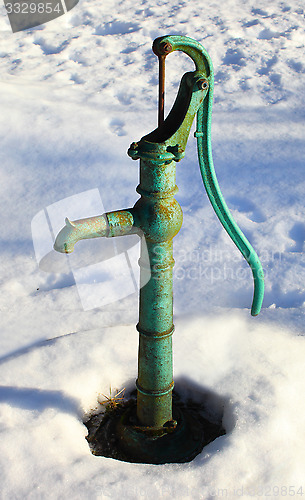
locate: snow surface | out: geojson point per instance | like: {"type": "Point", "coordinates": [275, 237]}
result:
{"type": "Point", "coordinates": [75, 93]}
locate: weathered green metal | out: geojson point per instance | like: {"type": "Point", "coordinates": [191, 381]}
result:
{"type": "Point", "coordinates": [203, 134]}
{"type": "Point", "coordinates": [160, 218]}
{"type": "Point", "coordinates": [157, 217]}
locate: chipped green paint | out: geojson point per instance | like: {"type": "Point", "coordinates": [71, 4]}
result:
{"type": "Point", "coordinates": [157, 217]}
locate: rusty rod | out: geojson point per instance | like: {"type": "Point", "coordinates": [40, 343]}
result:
{"type": "Point", "coordinates": [161, 89]}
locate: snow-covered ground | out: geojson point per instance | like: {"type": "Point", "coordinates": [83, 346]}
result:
{"type": "Point", "coordinates": [75, 93]}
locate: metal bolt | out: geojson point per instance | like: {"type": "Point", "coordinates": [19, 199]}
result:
{"type": "Point", "coordinates": [165, 48]}
{"type": "Point", "coordinates": [203, 84]}
{"type": "Point", "coordinates": [171, 424]}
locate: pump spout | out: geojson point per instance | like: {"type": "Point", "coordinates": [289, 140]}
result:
{"type": "Point", "coordinates": [74, 231]}
{"type": "Point", "coordinates": [110, 224]}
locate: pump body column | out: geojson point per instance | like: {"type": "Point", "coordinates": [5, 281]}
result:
{"type": "Point", "coordinates": [160, 218]}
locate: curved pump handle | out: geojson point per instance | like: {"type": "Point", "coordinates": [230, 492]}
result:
{"type": "Point", "coordinates": [162, 47]}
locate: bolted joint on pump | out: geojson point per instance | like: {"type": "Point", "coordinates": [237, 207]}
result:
{"type": "Point", "coordinates": [158, 154]}
{"type": "Point", "coordinates": [203, 84]}
{"type": "Point", "coordinates": [168, 142]}
{"type": "Point", "coordinates": [161, 48]}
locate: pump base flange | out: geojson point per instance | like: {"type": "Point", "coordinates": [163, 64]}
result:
{"type": "Point", "coordinates": [118, 436]}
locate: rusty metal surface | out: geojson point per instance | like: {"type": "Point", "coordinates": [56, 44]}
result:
{"type": "Point", "coordinates": [120, 223]}
{"type": "Point", "coordinates": [157, 216]}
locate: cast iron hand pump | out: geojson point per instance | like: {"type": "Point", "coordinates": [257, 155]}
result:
{"type": "Point", "coordinates": [157, 216]}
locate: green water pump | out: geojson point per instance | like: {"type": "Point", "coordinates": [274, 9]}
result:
{"type": "Point", "coordinates": [151, 429]}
